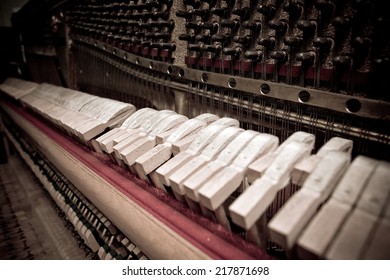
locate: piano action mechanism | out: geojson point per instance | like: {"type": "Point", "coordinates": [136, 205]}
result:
{"type": "Point", "coordinates": [210, 129]}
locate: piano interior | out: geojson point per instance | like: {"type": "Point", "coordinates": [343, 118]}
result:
{"type": "Point", "coordinates": [196, 129]}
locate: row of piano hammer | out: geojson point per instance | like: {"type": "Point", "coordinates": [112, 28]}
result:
{"type": "Point", "coordinates": [340, 211]}
{"type": "Point", "coordinates": [101, 237]}
{"type": "Point", "coordinates": [235, 175]}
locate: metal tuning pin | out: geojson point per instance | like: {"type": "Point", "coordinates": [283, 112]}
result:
{"type": "Point", "coordinates": [203, 13]}
{"type": "Point", "coordinates": [279, 26]}
{"type": "Point", "coordinates": [221, 12]}
{"type": "Point", "coordinates": [243, 13]}
{"type": "Point", "coordinates": [341, 26]}
{"type": "Point", "coordinates": [169, 24]}
{"type": "Point", "coordinates": [293, 42]}
{"type": "Point", "coordinates": [193, 25]}
{"type": "Point", "coordinates": [268, 11]}
{"type": "Point", "coordinates": [152, 4]}
{"type": "Point", "coordinates": [268, 43]}
{"type": "Point", "coordinates": [326, 9]}
{"type": "Point", "coordinates": [323, 46]}
{"type": "Point", "coordinates": [158, 35]}
{"type": "Point", "coordinates": [308, 28]}
{"type": "Point", "coordinates": [253, 55]}
{"type": "Point", "coordinates": [233, 52]}
{"type": "Point", "coordinates": [146, 44]}
{"type": "Point", "coordinates": [214, 49]}
{"type": "Point", "coordinates": [211, 26]}
{"type": "Point", "coordinates": [280, 57]}
{"type": "Point", "coordinates": [253, 26]}
{"type": "Point", "coordinates": [361, 47]}
{"type": "Point", "coordinates": [164, 46]}
{"type": "Point", "coordinates": [294, 9]}
{"type": "Point", "coordinates": [187, 37]}
{"type": "Point", "coordinates": [184, 14]}
{"type": "Point", "coordinates": [211, 3]}
{"type": "Point", "coordinates": [379, 66]}
{"type": "Point", "coordinates": [230, 3]}
{"type": "Point", "coordinates": [242, 40]}
{"type": "Point", "coordinates": [307, 60]}
{"type": "Point", "coordinates": [232, 24]}
{"type": "Point", "coordinates": [194, 3]}
{"type": "Point", "coordinates": [224, 39]}
{"type": "Point", "coordinates": [195, 47]}
{"type": "Point", "coordinates": [342, 64]}
{"type": "Point", "coordinates": [202, 38]}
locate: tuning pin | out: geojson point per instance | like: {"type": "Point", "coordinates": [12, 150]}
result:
{"type": "Point", "coordinates": [326, 9]}
{"type": "Point", "coordinates": [195, 47]}
{"type": "Point", "coordinates": [342, 26]}
{"type": "Point", "coordinates": [212, 26]}
{"type": "Point", "coordinates": [194, 3]}
{"type": "Point", "coordinates": [163, 23]}
{"type": "Point", "coordinates": [187, 37]}
{"type": "Point", "coordinates": [152, 3]}
{"type": "Point", "coordinates": [193, 25]}
{"type": "Point", "coordinates": [268, 11]}
{"type": "Point", "coordinates": [157, 35]}
{"type": "Point", "coordinates": [380, 81]}
{"type": "Point", "coordinates": [308, 28]}
{"type": "Point", "coordinates": [184, 14]}
{"type": "Point", "coordinates": [341, 23]}
{"type": "Point", "coordinates": [141, 7]}
{"type": "Point", "coordinates": [146, 44]}
{"type": "Point", "coordinates": [164, 46]}
{"type": "Point", "coordinates": [233, 52]}
{"type": "Point", "coordinates": [144, 25]}
{"type": "Point", "coordinates": [136, 41]}
{"type": "Point", "coordinates": [202, 38]}
{"type": "Point", "coordinates": [243, 40]}
{"type": "Point", "coordinates": [168, 3]}
{"type": "Point", "coordinates": [279, 26]}
{"type": "Point", "coordinates": [361, 46]}
{"type": "Point", "coordinates": [140, 34]}
{"type": "Point", "coordinates": [160, 15]}
{"type": "Point", "coordinates": [230, 3]}
{"type": "Point", "coordinates": [323, 44]}
{"type": "Point", "coordinates": [149, 35]}
{"type": "Point", "coordinates": [254, 26]}
{"type": "Point", "coordinates": [214, 49]}
{"type": "Point", "coordinates": [279, 56]}
{"type": "Point", "coordinates": [243, 13]}
{"type": "Point", "coordinates": [221, 12]}
{"type": "Point", "coordinates": [361, 14]}
{"type": "Point", "coordinates": [341, 64]}
{"type": "Point", "coordinates": [306, 58]}
{"type": "Point", "coordinates": [294, 42]}
{"type": "Point", "coordinates": [325, 6]}
{"type": "Point", "coordinates": [224, 39]}
{"type": "Point", "coordinates": [267, 43]}
{"type": "Point", "coordinates": [203, 13]}
{"type": "Point", "coordinates": [293, 8]}
{"type": "Point", "coordinates": [211, 3]}
{"type": "Point", "coordinates": [253, 55]}
{"type": "Point", "coordinates": [232, 24]}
